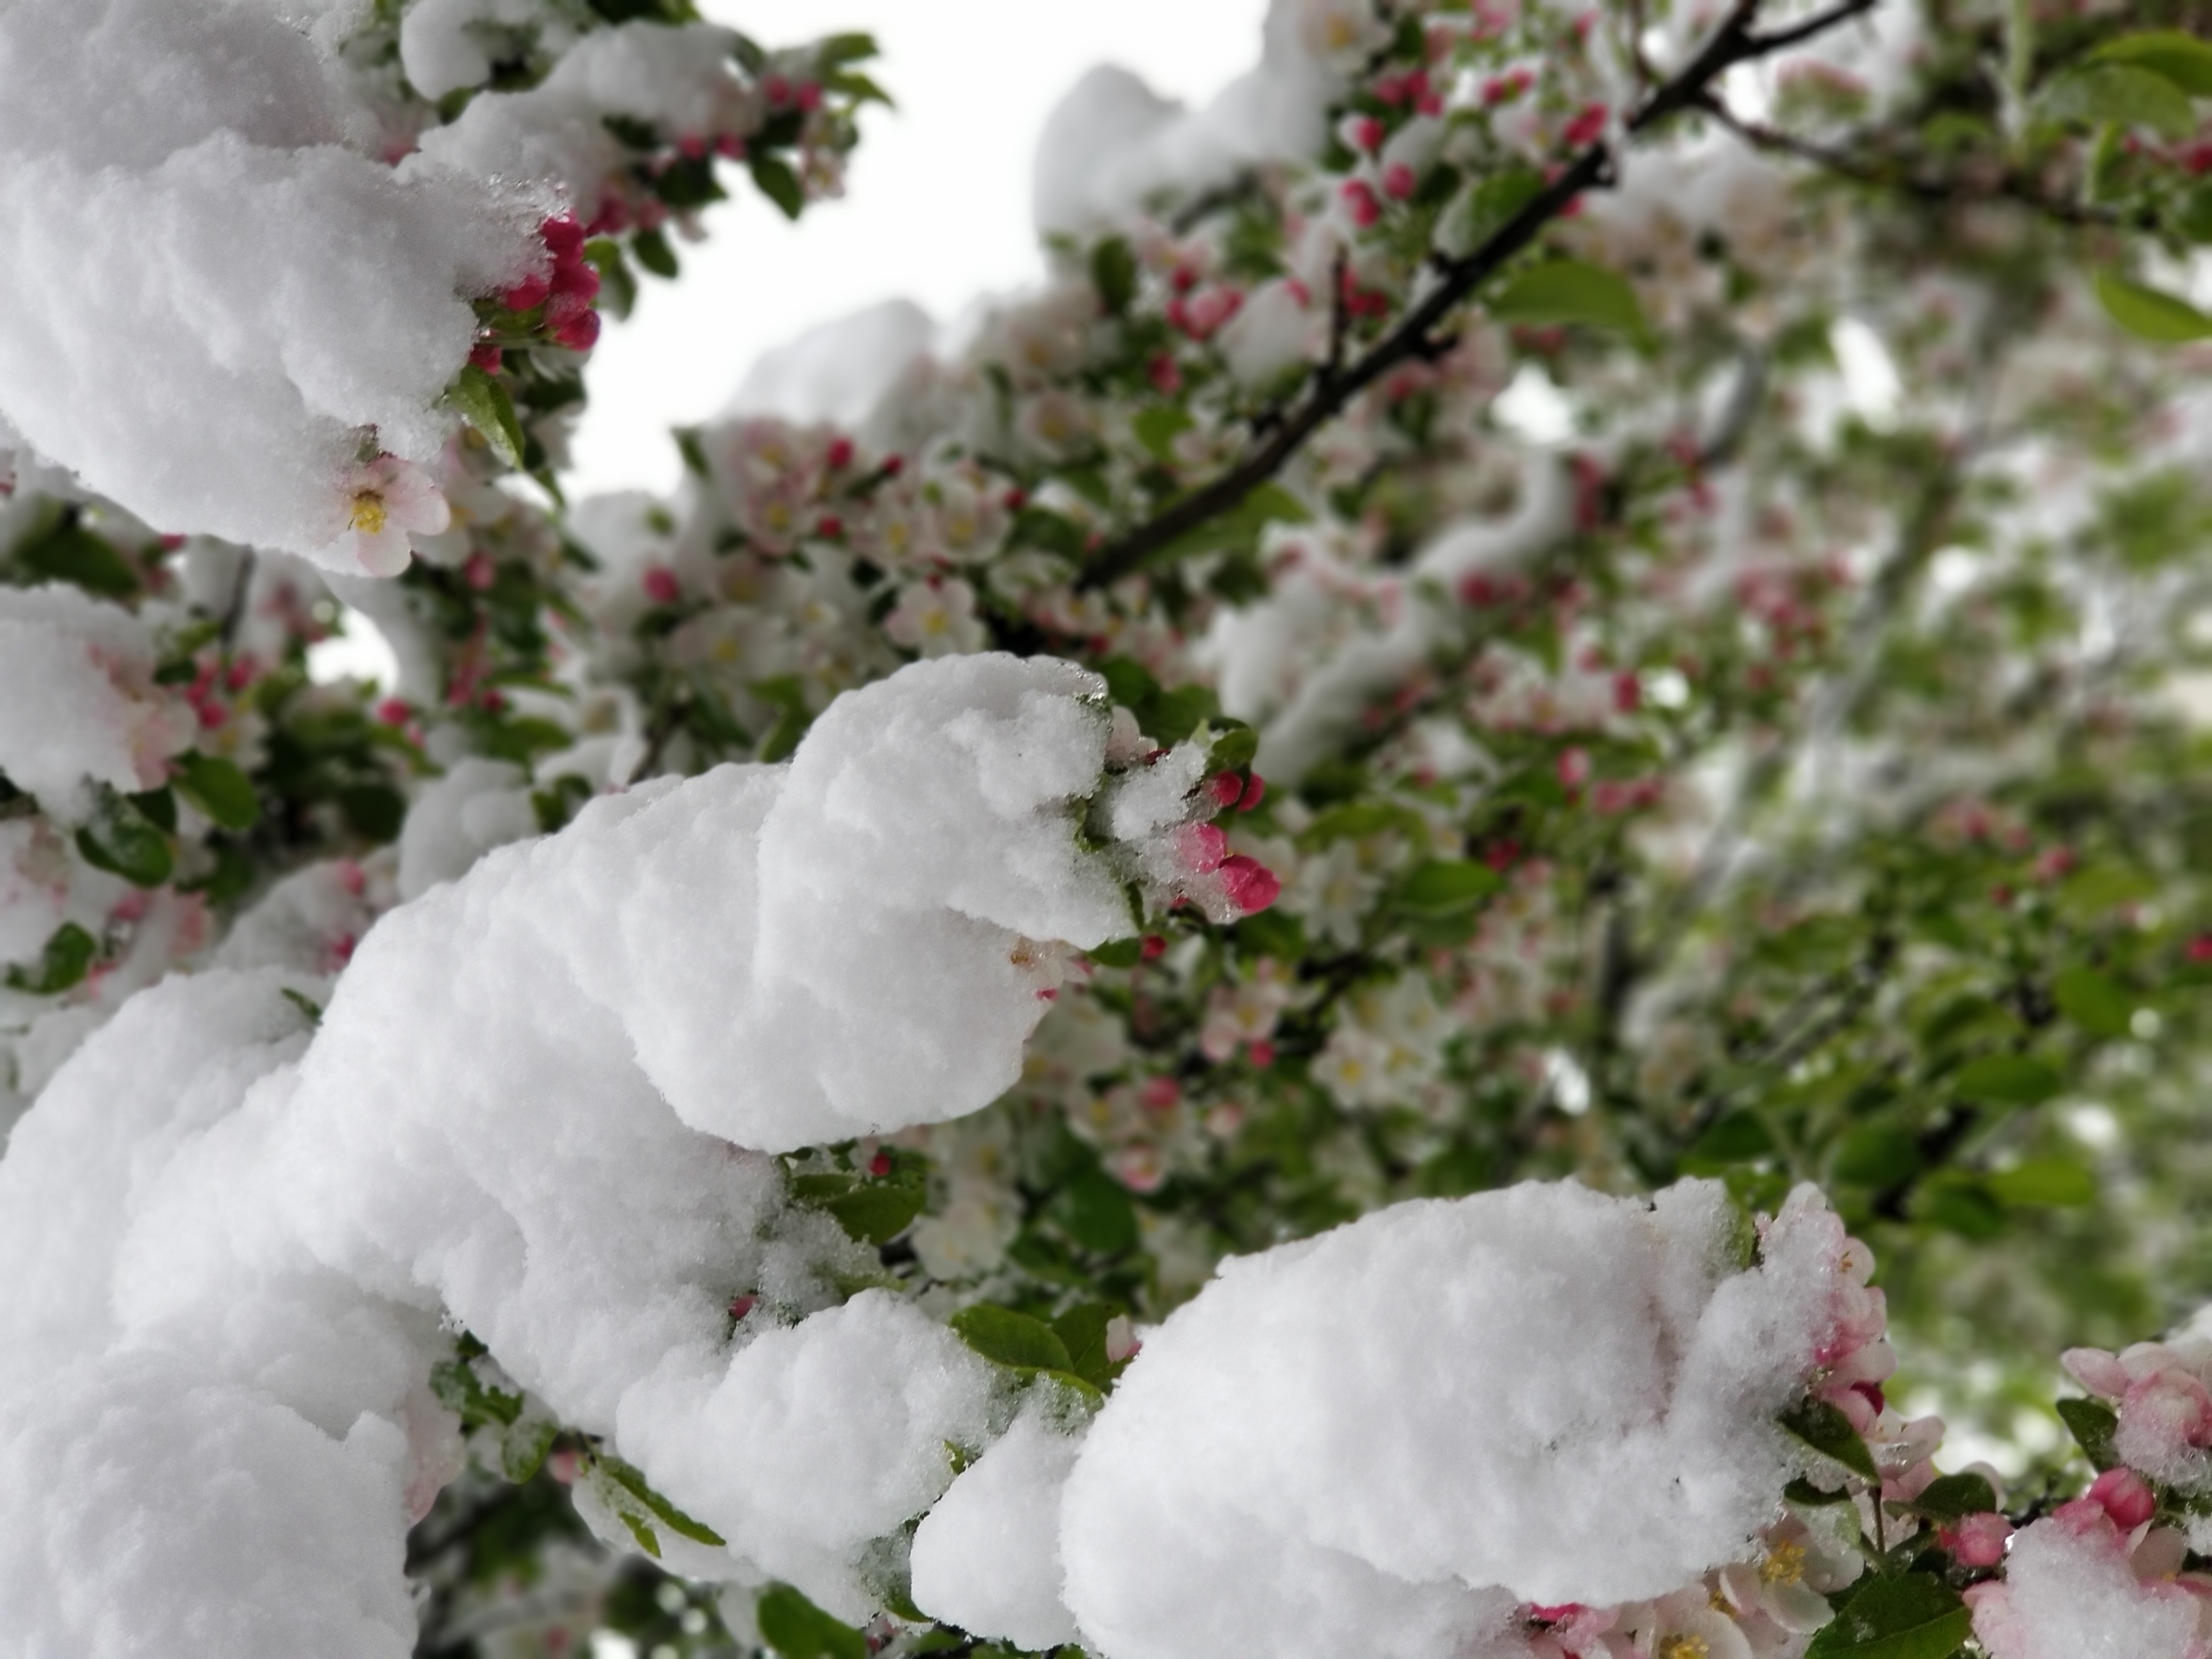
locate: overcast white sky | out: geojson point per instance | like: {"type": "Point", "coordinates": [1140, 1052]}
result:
{"type": "Point", "coordinates": [937, 207]}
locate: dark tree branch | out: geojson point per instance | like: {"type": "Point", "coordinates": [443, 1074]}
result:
{"type": "Point", "coordinates": [1414, 338]}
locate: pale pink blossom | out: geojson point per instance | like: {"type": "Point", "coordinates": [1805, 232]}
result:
{"type": "Point", "coordinates": [387, 502]}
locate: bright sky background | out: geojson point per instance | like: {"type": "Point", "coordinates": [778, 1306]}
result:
{"type": "Point", "coordinates": [937, 204]}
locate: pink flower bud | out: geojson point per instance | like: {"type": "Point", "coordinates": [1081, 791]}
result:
{"type": "Point", "coordinates": [527, 295]}
{"type": "Point", "coordinates": [660, 585]}
{"type": "Point", "coordinates": [742, 1305]}
{"type": "Point", "coordinates": [1367, 134]}
{"type": "Point", "coordinates": [2125, 1496]}
{"type": "Point", "coordinates": [1574, 767]}
{"type": "Point", "coordinates": [1359, 202]}
{"type": "Point", "coordinates": [579, 333]}
{"type": "Point", "coordinates": [2100, 1372]}
{"type": "Point", "coordinates": [880, 1164]}
{"type": "Point", "coordinates": [564, 237]}
{"type": "Point", "coordinates": [1152, 949]}
{"type": "Point", "coordinates": [1977, 1541]}
{"type": "Point", "coordinates": [1255, 791]}
{"type": "Point", "coordinates": [487, 358]}
{"type": "Point", "coordinates": [479, 573]}
{"type": "Point", "coordinates": [393, 712]}
{"type": "Point", "coordinates": [1159, 1094]}
{"type": "Point", "coordinates": [1201, 847]}
{"type": "Point", "coordinates": [1398, 181]}
{"type": "Point", "coordinates": [1250, 885]}
{"type": "Point", "coordinates": [1226, 788]}
{"type": "Point", "coordinates": [1585, 127]}
{"type": "Point", "coordinates": [839, 455]}
{"type": "Point", "coordinates": [1261, 1053]}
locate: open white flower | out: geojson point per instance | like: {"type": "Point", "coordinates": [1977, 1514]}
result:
{"type": "Point", "coordinates": [388, 501]}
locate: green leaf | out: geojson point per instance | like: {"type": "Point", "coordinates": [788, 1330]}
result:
{"type": "Point", "coordinates": [617, 288]}
{"type": "Point", "coordinates": [855, 46]}
{"type": "Point", "coordinates": [1961, 1203]}
{"type": "Point", "coordinates": [1908, 1616]}
{"type": "Point", "coordinates": [68, 552]}
{"type": "Point", "coordinates": [2120, 96]}
{"type": "Point", "coordinates": [1879, 1154]}
{"type": "Point", "coordinates": [1950, 1496]}
{"type": "Point", "coordinates": [1083, 1329]}
{"type": "Point", "coordinates": [2007, 1080]}
{"type": "Point", "coordinates": [1828, 1431]}
{"type": "Point", "coordinates": [1232, 751]}
{"type": "Point", "coordinates": [1006, 1338]}
{"type": "Point", "coordinates": [1118, 953]}
{"type": "Point", "coordinates": [122, 840]}
{"type": "Point", "coordinates": [1444, 887]}
{"type": "Point", "coordinates": [2047, 1181]}
{"type": "Point", "coordinates": [653, 252]}
{"type": "Point", "coordinates": [1569, 291]}
{"type": "Point", "coordinates": [1159, 426]}
{"type": "Point", "coordinates": [1095, 1211]}
{"type": "Point", "coordinates": [2092, 1001]}
{"type": "Point", "coordinates": [797, 1629]}
{"type": "Point", "coordinates": [2181, 58]}
{"type": "Point", "coordinates": [310, 1010]}
{"type": "Point", "coordinates": [2149, 314]}
{"type": "Point", "coordinates": [2093, 1425]}
{"type": "Point", "coordinates": [218, 789]}
{"type": "Point", "coordinates": [1114, 274]}
{"type": "Point", "coordinates": [1737, 1138]}
{"type": "Point", "coordinates": [62, 962]}
{"type": "Point", "coordinates": [483, 404]}
{"type": "Point", "coordinates": [1485, 206]}
{"type": "Point", "coordinates": [774, 179]}
{"type": "Point", "coordinates": [632, 1480]}
{"type": "Point", "coordinates": [876, 1211]}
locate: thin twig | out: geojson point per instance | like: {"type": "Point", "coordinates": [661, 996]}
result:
{"type": "Point", "coordinates": [2009, 188]}
{"type": "Point", "coordinates": [1414, 338]}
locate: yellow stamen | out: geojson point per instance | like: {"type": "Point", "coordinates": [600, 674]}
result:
{"type": "Point", "coordinates": [1684, 1647]}
{"type": "Point", "coordinates": [368, 512]}
{"type": "Point", "coordinates": [1784, 1565]}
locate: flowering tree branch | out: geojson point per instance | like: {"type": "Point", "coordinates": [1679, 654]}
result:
{"type": "Point", "coordinates": [1333, 385]}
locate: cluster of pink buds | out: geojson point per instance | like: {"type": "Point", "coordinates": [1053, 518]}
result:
{"type": "Point", "coordinates": [2165, 1408]}
{"type": "Point", "coordinates": [566, 292]}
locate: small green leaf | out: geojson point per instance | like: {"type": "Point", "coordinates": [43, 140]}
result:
{"type": "Point", "coordinates": [1006, 1338]}
{"type": "Point", "coordinates": [1118, 953]}
{"type": "Point", "coordinates": [2045, 1182]}
{"type": "Point", "coordinates": [2091, 1002]}
{"type": "Point", "coordinates": [1159, 426]}
{"type": "Point", "coordinates": [2007, 1080]}
{"type": "Point", "coordinates": [1879, 1153]}
{"type": "Point", "coordinates": [1907, 1616]}
{"type": "Point", "coordinates": [2117, 95]}
{"type": "Point", "coordinates": [1114, 274]}
{"type": "Point", "coordinates": [1083, 1329]}
{"type": "Point", "coordinates": [68, 552]}
{"type": "Point", "coordinates": [1950, 1496]}
{"type": "Point", "coordinates": [797, 1629]}
{"type": "Point", "coordinates": [1094, 1209]}
{"type": "Point", "coordinates": [1828, 1431]}
{"type": "Point", "coordinates": [2181, 58]}
{"type": "Point", "coordinates": [2093, 1423]}
{"type": "Point", "coordinates": [653, 252]}
{"type": "Point", "coordinates": [2149, 314]}
{"type": "Point", "coordinates": [876, 1211]}
{"type": "Point", "coordinates": [68, 952]}
{"type": "Point", "coordinates": [774, 179]}
{"type": "Point", "coordinates": [483, 404]}
{"type": "Point", "coordinates": [632, 1480]}
{"type": "Point", "coordinates": [1961, 1203]}
{"type": "Point", "coordinates": [310, 1010]}
{"type": "Point", "coordinates": [617, 287]}
{"type": "Point", "coordinates": [218, 789]}
{"type": "Point", "coordinates": [122, 840]}
{"type": "Point", "coordinates": [1737, 1138]}
{"type": "Point", "coordinates": [1444, 887]}
{"type": "Point", "coordinates": [1233, 749]}
{"type": "Point", "coordinates": [1569, 291]}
